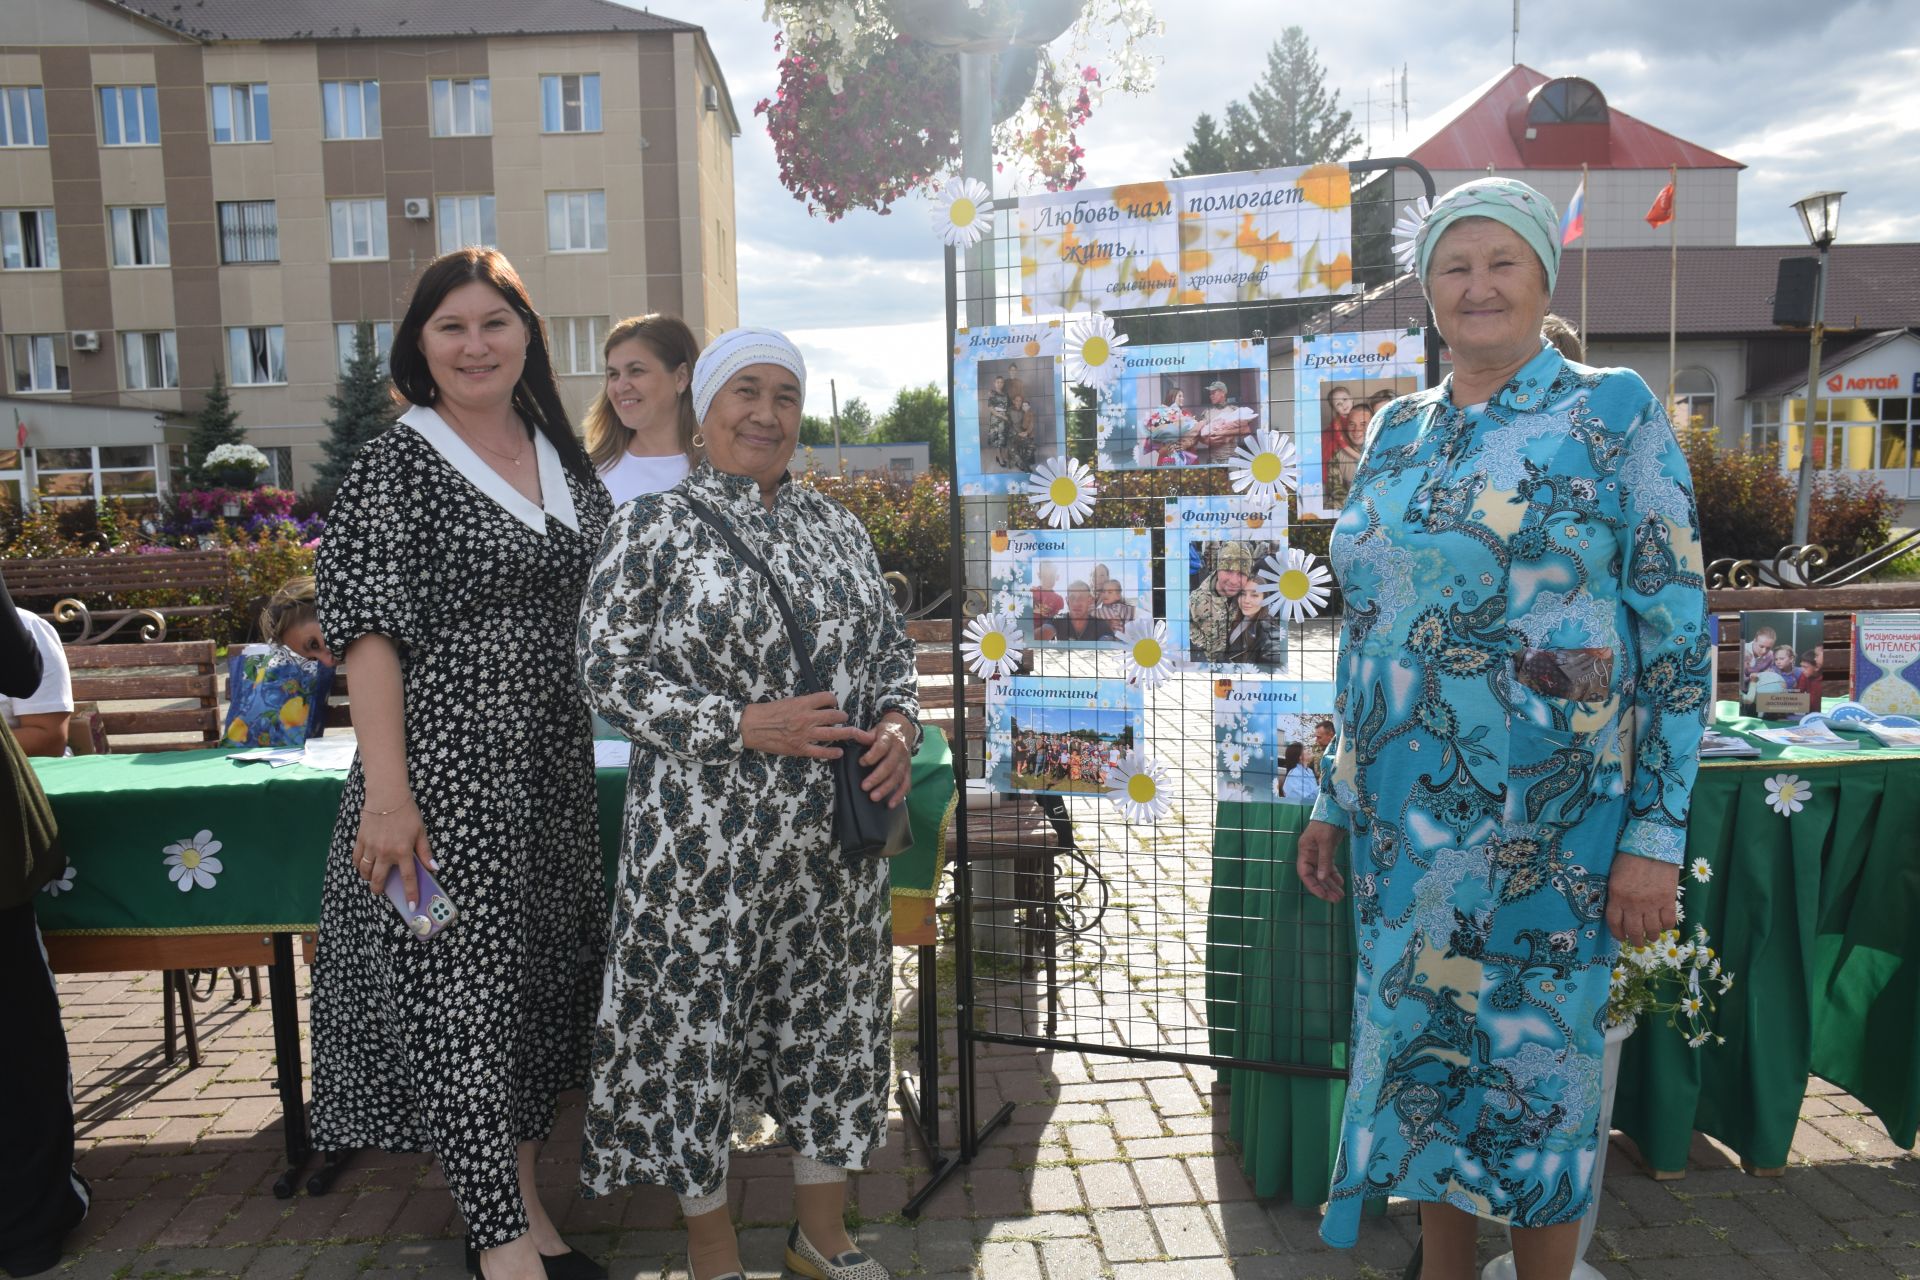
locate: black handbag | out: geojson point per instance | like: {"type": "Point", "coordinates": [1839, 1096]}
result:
{"type": "Point", "coordinates": [863, 827]}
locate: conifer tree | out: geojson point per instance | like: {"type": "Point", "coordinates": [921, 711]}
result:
{"type": "Point", "coordinates": [1288, 118]}
{"type": "Point", "coordinates": [216, 424]}
{"type": "Point", "coordinates": [362, 409]}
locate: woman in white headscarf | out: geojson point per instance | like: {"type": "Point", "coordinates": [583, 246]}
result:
{"type": "Point", "coordinates": [750, 962]}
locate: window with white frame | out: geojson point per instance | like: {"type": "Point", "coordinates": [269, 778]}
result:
{"type": "Point", "coordinates": [150, 361]}
{"type": "Point", "coordinates": [576, 221]}
{"type": "Point", "coordinates": [28, 241]}
{"type": "Point", "coordinates": [129, 115]}
{"type": "Point", "coordinates": [1694, 392]}
{"type": "Point", "coordinates": [23, 115]}
{"type": "Point", "coordinates": [257, 355]}
{"type": "Point", "coordinates": [249, 231]}
{"type": "Point", "coordinates": [570, 104]}
{"type": "Point", "coordinates": [382, 343]}
{"type": "Point", "coordinates": [240, 113]}
{"type": "Point", "coordinates": [140, 236]}
{"type": "Point", "coordinates": [359, 228]}
{"type": "Point", "coordinates": [576, 344]}
{"type": "Point", "coordinates": [466, 220]}
{"type": "Point", "coordinates": [349, 109]}
{"type": "Point", "coordinates": [89, 473]}
{"type": "Point", "coordinates": [461, 108]}
{"type": "Point", "coordinates": [39, 361]}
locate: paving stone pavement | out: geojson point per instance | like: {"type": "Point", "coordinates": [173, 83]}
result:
{"type": "Point", "coordinates": [1109, 1167]}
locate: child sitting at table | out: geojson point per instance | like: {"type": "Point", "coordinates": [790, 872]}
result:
{"type": "Point", "coordinates": [277, 692]}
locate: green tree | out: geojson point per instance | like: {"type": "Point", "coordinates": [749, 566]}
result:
{"type": "Point", "coordinates": [216, 424]}
{"type": "Point", "coordinates": [815, 431]}
{"type": "Point", "coordinates": [918, 413]}
{"type": "Point", "coordinates": [856, 423]}
{"type": "Point", "coordinates": [1207, 153]}
{"type": "Point", "coordinates": [1289, 118]}
{"type": "Point", "coordinates": [361, 410]}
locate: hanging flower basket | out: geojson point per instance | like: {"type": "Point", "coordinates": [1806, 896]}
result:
{"type": "Point", "coordinates": [987, 26]}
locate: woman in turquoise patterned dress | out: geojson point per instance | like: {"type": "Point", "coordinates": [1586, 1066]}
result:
{"type": "Point", "coordinates": [1524, 676]}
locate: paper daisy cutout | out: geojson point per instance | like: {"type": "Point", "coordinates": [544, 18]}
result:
{"type": "Point", "coordinates": [1702, 870]}
{"type": "Point", "coordinates": [1149, 660]}
{"type": "Point", "coordinates": [1295, 584]}
{"type": "Point", "coordinates": [1265, 466]}
{"type": "Point", "coordinates": [63, 883]}
{"type": "Point", "coordinates": [1138, 788]}
{"type": "Point", "coordinates": [192, 861]}
{"type": "Point", "coordinates": [1406, 232]}
{"type": "Point", "coordinates": [960, 214]}
{"type": "Point", "coordinates": [991, 645]}
{"type": "Point", "coordinates": [1787, 795]}
{"type": "Point", "coordinates": [1062, 490]}
{"type": "Point", "coordinates": [1091, 353]}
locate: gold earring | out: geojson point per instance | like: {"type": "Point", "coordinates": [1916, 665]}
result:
{"type": "Point", "coordinates": [699, 441]}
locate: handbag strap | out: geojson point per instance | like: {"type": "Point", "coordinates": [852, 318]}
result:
{"type": "Point", "coordinates": [802, 646]}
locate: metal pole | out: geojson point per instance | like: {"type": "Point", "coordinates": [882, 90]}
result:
{"type": "Point", "coordinates": [839, 455]}
{"type": "Point", "coordinates": [1585, 240]}
{"type": "Point", "coordinates": [1673, 282]}
{"type": "Point", "coordinates": [1803, 495]}
{"type": "Point", "coordinates": [976, 162]}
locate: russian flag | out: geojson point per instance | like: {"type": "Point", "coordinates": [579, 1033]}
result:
{"type": "Point", "coordinates": [1574, 224]}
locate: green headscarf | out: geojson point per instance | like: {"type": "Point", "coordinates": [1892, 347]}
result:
{"type": "Point", "coordinates": [1511, 203]}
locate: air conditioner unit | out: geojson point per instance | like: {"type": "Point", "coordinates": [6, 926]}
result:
{"type": "Point", "coordinates": [417, 209]}
{"type": "Point", "coordinates": [713, 98]}
{"type": "Point", "coordinates": [86, 340]}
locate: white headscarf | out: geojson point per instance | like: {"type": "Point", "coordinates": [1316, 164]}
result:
{"type": "Point", "coordinates": [735, 350]}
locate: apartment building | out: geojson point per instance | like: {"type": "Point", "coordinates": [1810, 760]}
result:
{"type": "Point", "coordinates": [233, 185]}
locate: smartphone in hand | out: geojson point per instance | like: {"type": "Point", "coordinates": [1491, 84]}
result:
{"type": "Point", "coordinates": [435, 911]}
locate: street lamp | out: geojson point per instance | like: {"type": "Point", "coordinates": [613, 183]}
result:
{"type": "Point", "coordinates": [1820, 215]}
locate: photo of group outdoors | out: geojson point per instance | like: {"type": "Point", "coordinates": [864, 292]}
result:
{"type": "Point", "coordinates": [1216, 606]}
{"type": "Point", "coordinates": [1780, 656]}
{"type": "Point", "coordinates": [1060, 736]}
{"type": "Point", "coordinates": [1184, 405]}
{"type": "Point", "coordinates": [1073, 588]}
{"type": "Point", "coordinates": [1341, 382]}
{"type": "Point", "coordinates": [1269, 738]}
{"type": "Point", "coordinates": [1008, 412]}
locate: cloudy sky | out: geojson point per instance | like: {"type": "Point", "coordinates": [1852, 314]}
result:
{"type": "Point", "coordinates": [1807, 93]}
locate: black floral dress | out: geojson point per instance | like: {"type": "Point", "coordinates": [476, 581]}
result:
{"type": "Point", "coordinates": [750, 960]}
{"type": "Point", "coordinates": [459, 1044]}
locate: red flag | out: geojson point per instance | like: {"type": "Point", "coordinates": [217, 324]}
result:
{"type": "Point", "coordinates": [1662, 211]}
{"type": "Point", "coordinates": [19, 431]}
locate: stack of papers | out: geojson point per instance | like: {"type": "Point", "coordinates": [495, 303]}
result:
{"type": "Point", "coordinates": [611, 753]}
{"type": "Point", "coordinates": [1725, 746]}
{"type": "Point", "coordinates": [331, 755]}
{"type": "Point", "coordinates": [1812, 734]}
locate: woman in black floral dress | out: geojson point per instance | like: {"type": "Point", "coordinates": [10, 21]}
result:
{"type": "Point", "coordinates": [751, 962]}
{"type": "Point", "coordinates": [450, 579]}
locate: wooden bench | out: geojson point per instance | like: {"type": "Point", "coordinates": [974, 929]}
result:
{"type": "Point", "coordinates": [105, 593]}
{"type": "Point", "coordinates": [126, 679]}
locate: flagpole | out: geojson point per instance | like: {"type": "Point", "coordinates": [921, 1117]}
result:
{"type": "Point", "coordinates": [1673, 289]}
{"type": "Point", "coordinates": [1585, 240]}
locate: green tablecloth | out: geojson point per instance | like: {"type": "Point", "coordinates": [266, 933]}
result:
{"type": "Point", "coordinates": [1815, 913]}
{"type": "Point", "coordinates": [126, 821]}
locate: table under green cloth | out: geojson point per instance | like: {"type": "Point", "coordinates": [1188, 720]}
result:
{"type": "Point", "coordinates": [1816, 913]}
{"type": "Point", "coordinates": [127, 822]}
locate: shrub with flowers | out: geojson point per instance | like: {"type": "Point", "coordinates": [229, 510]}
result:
{"type": "Point", "coordinates": [866, 113]}
{"type": "Point", "coordinates": [1677, 975]}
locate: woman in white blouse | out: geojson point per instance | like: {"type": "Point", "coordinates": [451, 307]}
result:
{"type": "Point", "coordinates": [640, 428]}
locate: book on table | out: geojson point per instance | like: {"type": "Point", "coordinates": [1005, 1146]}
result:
{"type": "Point", "coordinates": [1780, 657]}
{"type": "Point", "coordinates": [1886, 662]}
{"type": "Point", "coordinates": [1813, 734]}
{"type": "Point", "coordinates": [1715, 745]}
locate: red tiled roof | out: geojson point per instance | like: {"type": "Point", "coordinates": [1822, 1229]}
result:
{"type": "Point", "coordinates": [1478, 132]}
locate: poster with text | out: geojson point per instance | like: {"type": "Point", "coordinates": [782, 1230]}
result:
{"type": "Point", "coordinates": [1225, 238]}
{"type": "Point", "coordinates": [1267, 739]}
{"type": "Point", "coordinates": [1188, 404]}
{"type": "Point", "coordinates": [1216, 614]}
{"type": "Point", "coordinates": [1340, 381]}
{"type": "Point", "coordinates": [1072, 588]}
{"type": "Point", "coordinates": [1051, 735]}
{"type": "Point", "coordinates": [1008, 413]}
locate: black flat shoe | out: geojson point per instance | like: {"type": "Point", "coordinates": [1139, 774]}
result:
{"type": "Point", "coordinates": [473, 1261]}
{"type": "Point", "coordinates": [572, 1265]}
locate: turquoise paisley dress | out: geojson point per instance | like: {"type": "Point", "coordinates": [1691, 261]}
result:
{"type": "Point", "coordinates": [1525, 672]}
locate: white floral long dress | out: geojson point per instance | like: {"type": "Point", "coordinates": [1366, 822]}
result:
{"type": "Point", "coordinates": [749, 958]}
{"type": "Point", "coordinates": [461, 1044]}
